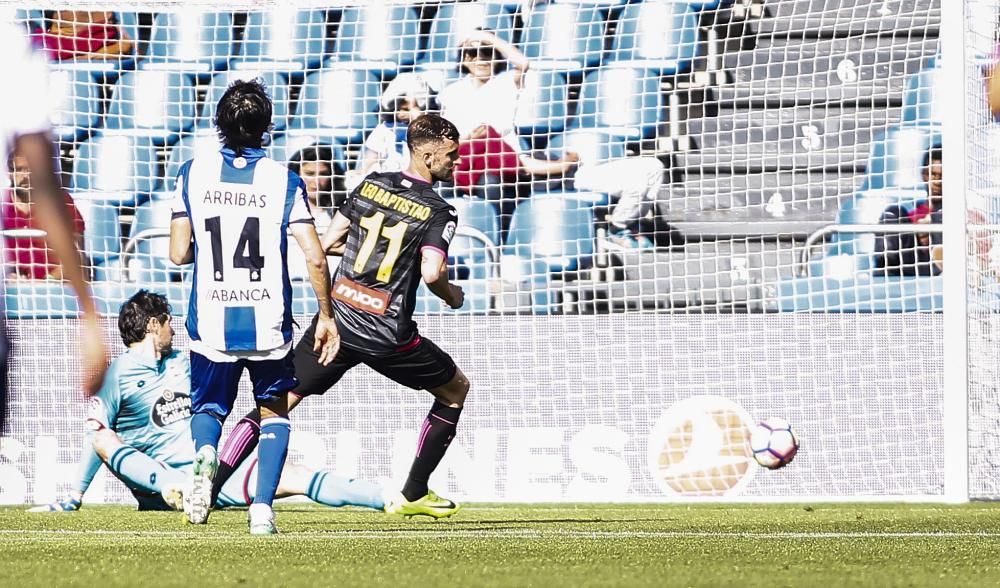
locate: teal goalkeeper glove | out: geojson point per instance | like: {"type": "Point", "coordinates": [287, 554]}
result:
{"type": "Point", "coordinates": [68, 505]}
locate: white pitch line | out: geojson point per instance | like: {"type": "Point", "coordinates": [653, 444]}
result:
{"type": "Point", "coordinates": [55, 534]}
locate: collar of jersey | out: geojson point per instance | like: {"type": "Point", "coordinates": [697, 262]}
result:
{"type": "Point", "coordinates": [148, 362]}
{"type": "Point", "coordinates": [248, 153]}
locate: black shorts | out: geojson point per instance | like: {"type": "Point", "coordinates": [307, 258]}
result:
{"type": "Point", "coordinates": [420, 365]}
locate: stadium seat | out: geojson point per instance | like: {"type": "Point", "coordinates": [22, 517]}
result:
{"type": "Point", "coordinates": [77, 109]}
{"type": "Point", "coordinates": [657, 34]}
{"type": "Point", "coordinates": [565, 36]}
{"type": "Point", "coordinates": [553, 229]}
{"type": "Point", "coordinates": [591, 145]}
{"type": "Point", "coordinates": [122, 167]}
{"type": "Point", "coordinates": [380, 37]}
{"type": "Point", "coordinates": [102, 235]}
{"type": "Point", "coordinates": [543, 103]}
{"type": "Point", "coordinates": [897, 155]}
{"type": "Point", "coordinates": [191, 40]}
{"type": "Point", "coordinates": [454, 21]}
{"type": "Point", "coordinates": [113, 293]}
{"type": "Point", "coordinates": [470, 252]}
{"type": "Point", "coordinates": [38, 299]}
{"type": "Point", "coordinates": [277, 87]}
{"type": "Point", "coordinates": [284, 38]}
{"type": "Point", "coordinates": [339, 102]}
{"type": "Point", "coordinates": [204, 142]}
{"type": "Point", "coordinates": [147, 254]}
{"type": "Point", "coordinates": [622, 101]}
{"type": "Point", "coordinates": [923, 101]}
{"type": "Point", "coordinates": [155, 104]}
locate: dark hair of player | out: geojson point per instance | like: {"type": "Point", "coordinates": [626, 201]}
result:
{"type": "Point", "coordinates": [133, 318]}
{"type": "Point", "coordinates": [932, 154]}
{"type": "Point", "coordinates": [243, 115]}
{"type": "Point", "coordinates": [429, 127]}
{"type": "Point", "coordinates": [312, 153]}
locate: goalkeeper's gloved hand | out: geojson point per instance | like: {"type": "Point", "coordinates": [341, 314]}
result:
{"type": "Point", "coordinates": [68, 504]}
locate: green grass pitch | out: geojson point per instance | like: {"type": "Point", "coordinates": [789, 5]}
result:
{"type": "Point", "coordinates": [513, 545]}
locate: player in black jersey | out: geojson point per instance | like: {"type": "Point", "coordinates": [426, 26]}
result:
{"type": "Point", "coordinates": [393, 231]}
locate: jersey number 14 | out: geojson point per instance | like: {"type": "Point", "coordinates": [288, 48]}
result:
{"type": "Point", "coordinates": [247, 254]}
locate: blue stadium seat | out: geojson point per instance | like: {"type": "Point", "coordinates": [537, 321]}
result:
{"type": "Point", "coordinates": [284, 38]}
{"type": "Point", "coordinates": [592, 146]}
{"type": "Point", "coordinates": [897, 155]}
{"type": "Point", "coordinates": [553, 229]}
{"type": "Point", "coordinates": [657, 34]}
{"type": "Point", "coordinates": [122, 167]}
{"type": "Point", "coordinates": [380, 37]}
{"type": "Point", "coordinates": [622, 101]}
{"type": "Point", "coordinates": [923, 102]}
{"type": "Point", "coordinates": [31, 299]}
{"type": "Point", "coordinates": [102, 235]}
{"type": "Point", "coordinates": [204, 142]}
{"type": "Point", "coordinates": [113, 293]}
{"type": "Point", "coordinates": [191, 40]}
{"type": "Point", "coordinates": [470, 252]}
{"type": "Point", "coordinates": [285, 147]}
{"type": "Point", "coordinates": [565, 36]}
{"type": "Point", "coordinates": [543, 103]}
{"type": "Point", "coordinates": [149, 260]}
{"type": "Point", "coordinates": [701, 4]}
{"type": "Point", "coordinates": [340, 102]}
{"type": "Point", "coordinates": [79, 110]}
{"type": "Point", "coordinates": [155, 104]}
{"type": "Point", "coordinates": [454, 21]}
{"type": "Point", "coordinates": [277, 87]}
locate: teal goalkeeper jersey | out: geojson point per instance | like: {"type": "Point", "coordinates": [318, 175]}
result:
{"type": "Point", "coordinates": [148, 403]}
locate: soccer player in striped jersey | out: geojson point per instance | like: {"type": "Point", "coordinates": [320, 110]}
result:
{"type": "Point", "coordinates": [393, 231]}
{"type": "Point", "coordinates": [139, 425]}
{"type": "Point", "coordinates": [232, 214]}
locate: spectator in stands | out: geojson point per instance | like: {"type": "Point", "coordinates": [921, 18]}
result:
{"type": "Point", "coordinates": [314, 164]}
{"type": "Point", "coordinates": [483, 106]}
{"type": "Point", "coordinates": [81, 34]}
{"type": "Point", "coordinates": [29, 257]}
{"type": "Point", "coordinates": [914, 254]}
{"type": "Point", "coordinates": [407, 97]}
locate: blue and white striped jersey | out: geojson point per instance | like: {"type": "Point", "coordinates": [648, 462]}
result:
{"type": "Point", "coordinates": [240, 207]}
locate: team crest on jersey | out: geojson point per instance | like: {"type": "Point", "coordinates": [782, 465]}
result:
{"type": "Point", "coordinates": [169, 411]}
{"type": "Point", "coordinates": [360, 297]}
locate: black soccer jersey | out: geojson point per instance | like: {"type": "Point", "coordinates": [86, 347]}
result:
{"type": "Point", "coordinates": [393, 218]}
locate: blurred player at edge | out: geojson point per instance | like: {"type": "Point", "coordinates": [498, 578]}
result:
{"type": "Point", "coordinates": [24, 127]}
{"type": "Point", "coordinates": [138, 424]}
{"type": "Point", "coordinates": [393, 230]}
{"type": "Point", "coordinates": [239, 206]}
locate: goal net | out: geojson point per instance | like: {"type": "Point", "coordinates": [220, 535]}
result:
{"type": "Point", "coordinates": [677, 218]}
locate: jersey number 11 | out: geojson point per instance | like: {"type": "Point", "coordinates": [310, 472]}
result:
{"type": "Point", "coordinates": [373, 228]}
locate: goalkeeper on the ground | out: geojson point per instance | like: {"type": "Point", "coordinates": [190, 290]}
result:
{"type": "Point", "coordinates": [138, 425]}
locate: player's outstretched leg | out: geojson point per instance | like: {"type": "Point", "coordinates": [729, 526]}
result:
{"type": "Point", "coordinates": [139, 471]}
{"type": "Point", "coordinates": [436, 434]}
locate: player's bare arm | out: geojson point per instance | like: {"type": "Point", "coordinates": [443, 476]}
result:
{"type": "Point", "coordinates": [327, 339]}
{"type": "Point", "coordinates": [181, 246]}
{"type": "Point", "coordinates": [434, 271]}
{"type": "Point", "coordinates": [55, 221]}
{"type": "Point", "coordinates": [335, 237]}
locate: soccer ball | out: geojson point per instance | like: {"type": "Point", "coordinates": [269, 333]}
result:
{"type": "Point", "coordinates": [773, 443]}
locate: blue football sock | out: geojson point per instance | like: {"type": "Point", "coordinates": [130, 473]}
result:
{"type": "Point", "coordinates": [271, 454]}
{"type": "Point", "coordinates": [206, 429]}
{"type": "Point", "coordinates": [140, 472]}
{"type": "Point", "coordinates": [333, 490]}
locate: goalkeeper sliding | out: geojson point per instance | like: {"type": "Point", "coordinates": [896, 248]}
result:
{"type": "Point", "coordinates": [139, 426]}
